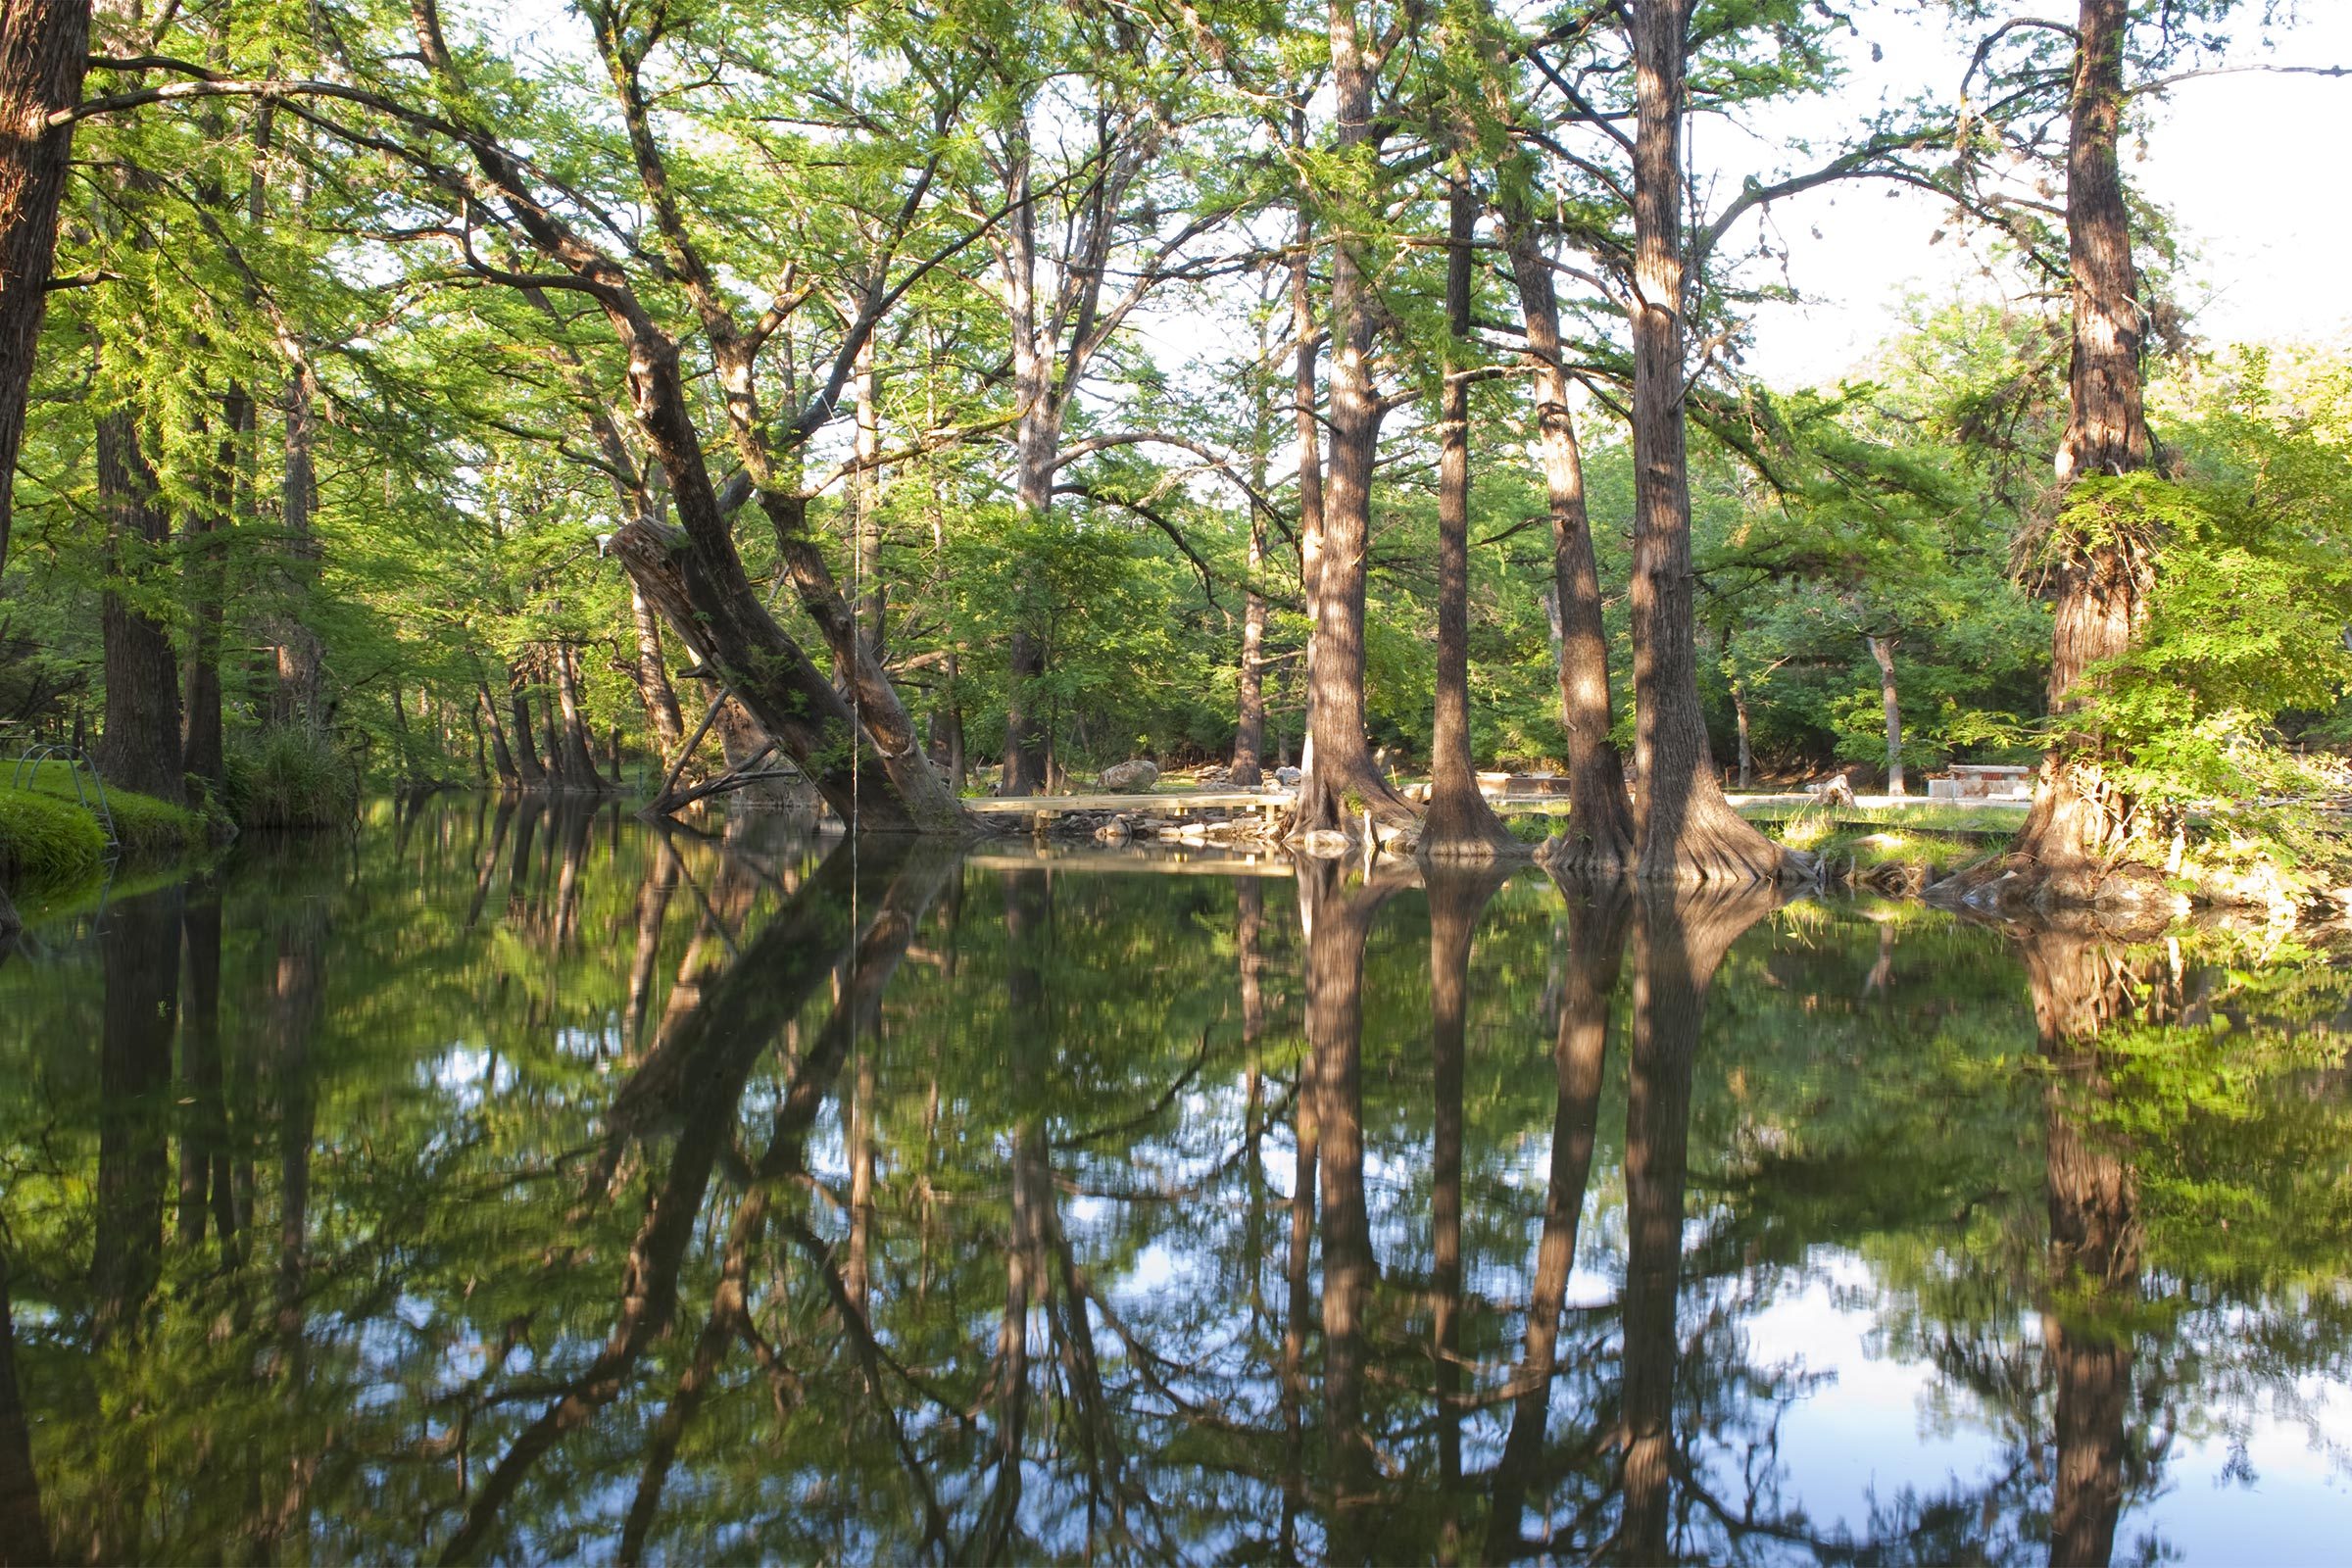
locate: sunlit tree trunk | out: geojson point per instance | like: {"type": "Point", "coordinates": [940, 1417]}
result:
{"type": "Point", "coordinates": [297, 699]}
{"type": "Point", "coordinates": [1343, 782]}
{"type": "Point", "coordinates": [1304, 398]}
{"type": "Point", "coordinates": [1600, 827]}
{"type": "Point", "coordinates": [2099, 579]}
{"type": "Point", "coordinates": [1687, 831]}
{"type": "Point", "coordinates": [1881, 651]}
{"type": "Point", "coordinates": [1459, 824]}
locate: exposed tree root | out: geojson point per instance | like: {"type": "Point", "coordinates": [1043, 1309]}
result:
{"type": "Point", "coordinates": [1340, 792]}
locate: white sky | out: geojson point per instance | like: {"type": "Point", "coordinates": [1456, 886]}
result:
{"type": "Point", "coordinates": [2250, 167]}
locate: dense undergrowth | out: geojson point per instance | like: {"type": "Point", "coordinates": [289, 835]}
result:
{"type": "Point", "coordinates": [289, 778]}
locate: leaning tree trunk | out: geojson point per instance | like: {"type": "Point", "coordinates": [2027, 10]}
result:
{"type": "Point", "coordinates": [1686, 830]}
{"type": "Point", "coordinates": [1600, 823]}
{"type": "Point", "coordinates": [44, 46]}
{"type": "Point", "coordinates": [1342, 780]}
{"type": "Point", "coordinates": [141, 747]}
{"type": "Point", "coordinates": [1460, 825]}
{"type": "Point", "coordinates": [2099, 578]}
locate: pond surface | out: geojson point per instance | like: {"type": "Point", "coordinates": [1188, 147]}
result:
{"type": "Point", "coordinates": [500, 1184]}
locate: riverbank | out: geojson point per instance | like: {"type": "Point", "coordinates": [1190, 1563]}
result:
{"type": "Point", "coordinates": [54, 839]}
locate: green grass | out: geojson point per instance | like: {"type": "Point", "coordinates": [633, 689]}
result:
{"type": "Point", "coordinates": [47, 844]}
{"type": "Point", "coordinates": [1924, 817]}
{"type": "Point", "coordinates": [289, 778]}
{"type": "Point", "coordinates": [144, 826]}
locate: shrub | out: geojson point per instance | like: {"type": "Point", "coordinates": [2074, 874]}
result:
{"type": "Point", "coordinates": [289, 778]}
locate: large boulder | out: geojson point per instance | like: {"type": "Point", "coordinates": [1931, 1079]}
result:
{"type": "Point", "coordinates": [1128, 778]}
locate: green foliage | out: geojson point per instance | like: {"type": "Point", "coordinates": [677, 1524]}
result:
{"type": "Point", "coordinates": [289, 777]}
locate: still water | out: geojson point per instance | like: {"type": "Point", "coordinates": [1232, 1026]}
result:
{"type": "Point", "coordinates": [506, 1185]}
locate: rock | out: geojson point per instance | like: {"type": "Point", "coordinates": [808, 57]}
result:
{"type": "Point", "coordinates": [1287, 778]}
{"type": "Point", "coordinates": [1125, 778]}
{"type": "Point", "coordinates": [1323, 844]}
{"type": "Point", "coordinates": [1836, 790]}
{"type": "Point", "coordinates": [1115, 831]}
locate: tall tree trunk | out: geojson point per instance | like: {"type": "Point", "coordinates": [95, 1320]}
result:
{"type": "Point", "coordinates": [24, 1537]}
{"type": "Point", "coordinates": [298, 699]}
{"type": "Point", "coordinates": [1310, 446]}
{"type": "Point", "coordinates": [206, 539]}
{"type": "Point", "coordinates": [1341, 779]}
{"type": "Point", "coordinates": [579, 757]}
{"type": "Point", "coordinates": [1748, 752]}
{"type": "Point", "coordinates": [1037, 443]}
{"type": "Point", "coordinates": [1881, 651]}
{"type": "Point", "coordinates": [1460, 825]}
{"type": "Point", "coordinates": [1249, 685]}
{"type": "Point", "coordinates": [1684, 828]}
{"type": "Point", "coordinates": [1337, 922]}
{"type": "Point", "coordinates": [140, 749]}
{"type": "Point", "coordinates": [1678, 943]}
{"type": "Point", "coordinates": [529, 768]}
{"type": "Point", "coordinates": [44, 46]}
{"type": "Point", "coordinates": [1597, 948]}
{"type": "Point", "coordinates": [2082, 984]}
{"type": "Point", "coordinates": [2099, 578]}
{"type": "Point", "coordinates": [652, 674]}
{"type": "Point", "coordinates": [502, 756]}
{"type": "Point", "coordinates": [1457, 897]}
{"type": "Point", "coordinates": [139, 950]}
{"type": "Point", "coordinates": [1601, 823]}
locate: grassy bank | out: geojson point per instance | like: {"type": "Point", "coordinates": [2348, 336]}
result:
{"type": "Point", "coordinates": [51, 841]}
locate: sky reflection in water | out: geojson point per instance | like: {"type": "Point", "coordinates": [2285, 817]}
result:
{"type": "Point", "coordinates": [513, 1185]}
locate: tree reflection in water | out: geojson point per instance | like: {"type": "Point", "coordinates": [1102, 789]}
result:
{"type": "Point", "coordinates": [550, 1187]}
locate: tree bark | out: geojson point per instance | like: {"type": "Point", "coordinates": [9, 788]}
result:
{"type": "Point", "coordinates": [579, 755]}
{"type": "Point", "coordinates": [2082, 984]}
{"type": "Point", "coordinates": [298, 699]}
{"type": "Point", "coordinates": [1341, 779]}
{"type": "Point", "coordinates": [529, 768]}
{"type": "Point", "coordinates": [1337, 922]}
{"type": "Point", "coordinates": [502, 756]}
{"type": "Point", "coordinates": [1304, 399]}
{"type": "Point", "coordinates": [1596, 951]}
{"type": "Point", "coordinates": [139, 950]}
{"type": "Point", "coordinates": [44, 47]}
{"type": "Point", "coordinates": [2100, 583]}
{"type": "Point", "coordinates": [205, 537]}
{"type": "Point", "coordinates": [652, 674]}
{"type": "Point", "coordinates": [1249, 685]}
{"type": "Point", "coordinates": [1882, 650]}
{"type": "Point", "coordinates": [1600, 826]}
{"type": "Point", "coordinates": [1684, 828]}
{"type": "Point", "coordinates": [1678, 943]}
{"type": "Point", "coordinates": [24, 1537]}
{"type": "Point", "coordinates": [1459, 824]}
{"type": "Point", "coordinates": [140, 749]}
